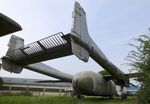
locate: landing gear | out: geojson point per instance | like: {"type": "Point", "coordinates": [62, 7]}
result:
{"type": "Point", "coordinates": [124, 96]}
{"type": "Point", "coordinates": [124, 93]}
{"type": "Point", "coordinates": [79, 96]}
{"type": "Point", "coordinates": [110, 97]}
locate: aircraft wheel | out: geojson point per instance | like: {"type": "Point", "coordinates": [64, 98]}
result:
{"type": "Point", "coordinates": [110, 97]}
{"type": "Point", "coordinates": [124, 96]}
{"type": "Point", "coordinates": [79, 96]}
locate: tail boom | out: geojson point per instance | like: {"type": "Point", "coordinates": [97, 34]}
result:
{"type": "Point", "coordinates": [83, 46]}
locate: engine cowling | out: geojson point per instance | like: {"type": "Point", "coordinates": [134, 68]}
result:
{"type": "Point", "coordinates": [90, 83]}
{"type": "Point", "coordinates": [10, 66]}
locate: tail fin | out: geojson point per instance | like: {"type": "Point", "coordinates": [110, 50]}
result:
{"type": "Point", "coordinates": [14, 43]}
{"type": "Point", "coordinates": [80, 30]}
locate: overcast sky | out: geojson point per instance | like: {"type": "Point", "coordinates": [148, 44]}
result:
{"type": "Point", "coordinates": [111, 24]}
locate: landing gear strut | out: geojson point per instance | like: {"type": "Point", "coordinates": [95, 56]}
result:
{"type": "Point", "coordinates": [124, 96]}
{"type": "Point", "coordinates": [124, 93]}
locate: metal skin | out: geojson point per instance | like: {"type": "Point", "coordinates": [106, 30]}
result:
{"type": "Point", "coordinates": [100, 58]}
{"type": "Point", "coordinates": [79, 43]}
{"type": "Point", "coordinates": [86, 46]}
{"type": "Point", "coordinates": [86, 82]}
{"type": "Point", "coordinates": [47, 70]}
{"type": "Point", "coordinates": [93, 84]}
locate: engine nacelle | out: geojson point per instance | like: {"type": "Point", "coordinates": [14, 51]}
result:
{"type": "Point", "coordinates": [90, 83]}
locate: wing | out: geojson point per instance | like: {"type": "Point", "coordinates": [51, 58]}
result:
{"type": "Point", "coordinates": [134, 75]}
{"type": "Point", "coordinates": [129, 75]}
{"type": "Point", "coordinates": [49, 71]}
{"type": "Point", "coordinates": [7, 25]}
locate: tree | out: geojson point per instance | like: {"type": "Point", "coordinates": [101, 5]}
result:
{"type": "Point", "coordinates": [140, 61]}
{"type": "Point", "coordinates": [1, 81]}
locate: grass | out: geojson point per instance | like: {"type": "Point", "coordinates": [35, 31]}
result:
{"type": "Point", "coordinates": [62, 100]}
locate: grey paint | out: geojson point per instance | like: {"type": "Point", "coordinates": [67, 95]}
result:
{"type": "Point", "coordinates": [79, 43]}
{"type": "Point", "coordinates": [86, 46]}
{"type": "Point", "coordinates": [90, 83]}
{"type": "Point", "coordinates": [87, 82]}
{"type": "Point", "coordinates": [47, 70]}
{"type": "Point", "coordinates": [45, 49]}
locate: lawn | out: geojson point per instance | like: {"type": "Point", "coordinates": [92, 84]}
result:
{"type": "Point", "coordinates": [62, 100]}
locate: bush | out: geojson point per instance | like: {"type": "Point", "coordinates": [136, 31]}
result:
{"type": "Point", "coordinates": [26, 93]}
{"type": "Point", "coordinates": [8, 93]}
{"type": "Point", "coordinates": [140, 61]}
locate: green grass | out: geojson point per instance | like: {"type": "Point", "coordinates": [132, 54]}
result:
{"type": "Point", "coordinates": [62, 100]}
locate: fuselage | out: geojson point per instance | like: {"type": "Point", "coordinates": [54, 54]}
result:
{"type": "Point", "coordinates": [90, 83]}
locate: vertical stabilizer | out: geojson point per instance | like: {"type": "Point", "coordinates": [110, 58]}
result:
{"type": "Point", "coordinates": [80, 30]}
{"type": "Point", "coordinates": [83, 46]}
{"type": "Point", "coordinates": [15, 42]}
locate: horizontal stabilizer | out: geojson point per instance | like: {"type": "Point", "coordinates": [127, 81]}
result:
{"type": "Point", "coordinates": [129, 75]}
{"type": "Point", "coordinates": [134, 75]}
{"type": "Point", "coordinates": [45, 49]}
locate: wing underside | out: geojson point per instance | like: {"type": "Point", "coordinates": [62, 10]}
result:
{"type": "Point", "coordinates": [7, 25]}
{"type": "Point", "coordinates": [49, 71]}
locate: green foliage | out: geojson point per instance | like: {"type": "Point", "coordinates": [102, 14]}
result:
{"type": "Point", "coordinates": [8, 93]}
{"type": "Point", "coordinates": [26, 93]}
{"type": "Point", "coordinates": [62, 100]}
{"type": "Point", "coordinates": [140, 61]}
{"type": "Point", "coordinates": [1, 81]}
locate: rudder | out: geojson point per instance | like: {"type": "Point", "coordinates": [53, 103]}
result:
{"type": "Point", "coordinates": [80, 30]}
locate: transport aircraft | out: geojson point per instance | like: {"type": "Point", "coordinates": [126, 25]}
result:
{"type": "Point", "coordinates": [79, 43]}
{"type": "Point", "coordinates": [8, 25]}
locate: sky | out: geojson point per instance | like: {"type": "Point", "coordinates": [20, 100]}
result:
{"type": "Point", "coordinates": [112, 24]}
